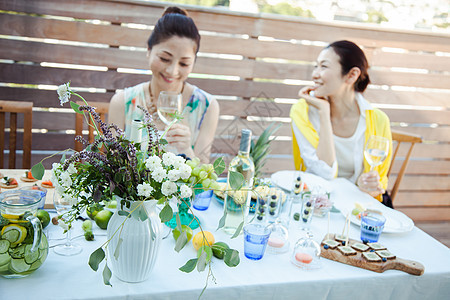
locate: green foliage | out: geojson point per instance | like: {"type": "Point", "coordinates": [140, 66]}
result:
{"type": "Point", "coordinates": [375, 16]}
{"type": "Point", "coordinates": [283, 8]}
{"type": "Point", "coordinates": [260, 149]}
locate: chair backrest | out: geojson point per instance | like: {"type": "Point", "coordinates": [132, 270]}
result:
{"type": "Point", "coordinates": [102, 109]}
{"type": "Point", "coordinates": [14, 108]}
{"type": "Point", "coordinates": [402, 137]}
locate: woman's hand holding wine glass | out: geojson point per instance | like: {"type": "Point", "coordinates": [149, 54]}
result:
{"type": "Point", "coordinates": [375, 152]}
{"type": "Point", "coordinates": [168, 104]}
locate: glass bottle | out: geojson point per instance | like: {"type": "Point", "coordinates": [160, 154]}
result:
{"type": "Point", "coordinates": [237, 203]}
{"type": "Point", "coordinates": [136, 131]}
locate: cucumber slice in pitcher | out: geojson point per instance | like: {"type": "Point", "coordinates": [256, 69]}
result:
{"type": "Point", "coordinates": [4, 246]}
{"type": "Point", "coordinates": [17, 252]}
{"type": "Point", "coordinates": [4, 259]}
{"type": "Point", "coordinates": [19, 265]}
{"type": "Point", "coordinates": [30, 257]}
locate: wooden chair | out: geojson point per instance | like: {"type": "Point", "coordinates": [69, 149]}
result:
{"type": "Point", "coordinates": [101, 109]}
{"type": "Point", "coordinates": [14, 108]}
{"type": "Point", "coordinates": [401, 137]}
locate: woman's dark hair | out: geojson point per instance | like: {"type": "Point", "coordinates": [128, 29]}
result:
{"type": "Point", "coordinates": [174, 21]}
{"type": "Point", "coordinates": [350, 55]}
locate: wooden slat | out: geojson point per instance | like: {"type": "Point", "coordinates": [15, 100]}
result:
{"type": "Point", "coordinates": [433, 98]}
{"type": "Point", "coordinates": [441, 134]}
{"type": "Point", "coordinates": [423, 167]}
{"type": "Point", "coordinates": [423, 183]}
{"type": "Point", "coordinates": [437, 151]}
{"type": "Point", "coordinates": [427, 213]}
{"type": "Point", "coordinates": [417, 198]}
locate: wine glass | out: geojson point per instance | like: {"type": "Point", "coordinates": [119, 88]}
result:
{"type": "Point", "coordinates": [168, 104]}
{"type": "Point", "coordinates": [62, 205]}
{"type": "Point", "coordinates": [376, 150]}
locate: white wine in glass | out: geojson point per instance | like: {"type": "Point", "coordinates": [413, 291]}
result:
{"type": "Point", "coordinates": [168, 104]}
{"type": "Point", "coordinates": [376, 150]}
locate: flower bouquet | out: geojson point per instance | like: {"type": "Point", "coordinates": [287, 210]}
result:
{"type": "Point", "coordinates": [114, 167]}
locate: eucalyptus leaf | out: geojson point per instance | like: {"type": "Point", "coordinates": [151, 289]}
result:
{"type": "Point", "coordinates": [189, 266]}
{"type": "Point", "coordinates": [231, 257]}
{"type": "Point", "coordinates": [177, 218]}
{"type": "Point", "coordinates": [181, 241]}
{"type": "Point", "coordinates": [201, 263]}
{"type": "Point", "coordinates": [96, 258]}
{"type": "Point", "coordinates": [97, 195]}
{"type": "Point", "coordinates": [166, 213]}
{"type": "Point", "coordinates": [219, 166]}
{"type": "Point", "coordinates": [76, 107]}
{"type": "Point", "coordinates": [123, 213]}
{"type": "Point", "coordinates": [238, 230]}
{"type": "Point", "coordinates": [152, 232]}
{"type": "Point", "coordinates": [117, 251]}
{"type": "Point", "coordinates": [236, 180]}
{"type": "Point", "coordinates": [38, 171]}
{"type": "Point", "coordinates": [107, 275]}
{"type": "Point", "coordinates": [63, 158]}
{"type": "Point", "coordinates": [163, 142]}
{"type": "Point", "coordinates": [222, 220]}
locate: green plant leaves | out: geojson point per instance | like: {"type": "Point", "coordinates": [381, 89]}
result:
{"type": "Point", "coordinates": [222, 220]}
{"type": "Point", "coordinates": [181, 241]}
{"type": "Point", "coordinates": [75, 107]}
{"type": "Point", "coordinates": [189, 266]}
{"type": "Point", "coordinates": [166, 213]}
{"type": "Point", "coordinates": [96, 258]}
{"type": "Point", "coordinates": [202, 262]}
{"type": "Point", "coordinates": [238, 230]}
{"type": "Point", "coordinates": [236, 180]}
{"type": "Point", "coordinates": [107, 275]}
{"type": "Point", "coordinates": [38, 171]}
{"type": "Point", "coordinates": [219, 166]}
{"type": "Point", "coordinates": [231, 257]}
{"type": "Point", "coordinates": [117, 251]}
{"type": "Point", "coordinates": [139, 213]}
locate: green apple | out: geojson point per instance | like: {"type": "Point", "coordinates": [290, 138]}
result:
{"type": "Point", "coordinates": [102, 218]}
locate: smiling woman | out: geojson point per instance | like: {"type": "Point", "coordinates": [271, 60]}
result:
{"type": "Point", "coordinates": [172, 50]}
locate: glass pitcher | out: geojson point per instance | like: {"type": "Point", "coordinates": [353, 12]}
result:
{"type": "Point", "coordinates": [23, 245]}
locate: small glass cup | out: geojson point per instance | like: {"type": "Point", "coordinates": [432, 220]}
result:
{"type": "Point", "coordinates": [306, 254]}
{"type": "Point", "coordinates": [38, 189]}
{"type": "Point", "coordinates": [255, 240]}
{"type": "Point", "coordinates": [307, 211]}
{"type": "Point", "coordinates": [372, 224]}
{"type": "Point", "coordinates": [279, 238]}
{"type": "Point", "coordinates": [202, 200]}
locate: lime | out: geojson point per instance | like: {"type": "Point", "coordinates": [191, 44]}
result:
{"type": "Point", "coordinates": [189, 232]}
{"type": "Point", "coordinates": [203, 238]}
{"type": "Point", "coordinates": [102, 218]}
{"type": "Point", "coordinates": [219, 249]}
{"type": "Point", "coordinates": [44, 217]}
{"type": "Point", "coordinates": [93, 210]}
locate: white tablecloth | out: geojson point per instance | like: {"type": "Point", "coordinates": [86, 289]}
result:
{"type": "Point", "coordinates": [273, 277]}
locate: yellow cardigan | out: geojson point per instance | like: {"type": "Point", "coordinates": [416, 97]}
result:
{"type": "Point", "coordinates": [377, 123]}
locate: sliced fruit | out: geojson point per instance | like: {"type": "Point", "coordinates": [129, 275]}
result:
{"type": "Point", "coordinates": [19, 265]}
{"type": "Point", "coordinates": [30, 257]}
{"type": "Point", "coordinates": [44, 243]}
{"type": "Point", "coordinates": [4, 268]}
{"type": "Point", "coordinates": [18, 252]}
{"type": "Point", "coordinates": [4, 245]}
{"type": "Point", "coordinates": [4, 259]}
{"type": "Point", "coordinates": [14, 233]}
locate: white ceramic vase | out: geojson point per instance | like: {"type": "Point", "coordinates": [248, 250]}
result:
{"type": "Point", "coordinates": [140, 244]}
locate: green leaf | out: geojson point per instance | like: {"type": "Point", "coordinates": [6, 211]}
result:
{"type": "Point", "coordinates": [181, 241]}
{"type": "Point", "coordinates": [139, 213]}
{"type": "Point", "coordinates": [38, 171]}
{"type": "Point", "coordinates": [201, 263]}
{"type": "Point", "coordinates": [117, 251]}
{"type": "Point", "coordinates": [236, 180]}
{"type": "Point", "coordinates": [189, 266]}
{"type": "Point", "coordinates": [96, 258]}
{"type": "Point", "coordinates": [75, 107]}
{"type": "Point", "coordinates": [166, 213]}
{"type": "Point", "coordinates": [177, 218]}
{"type": "Point", "coordinates": [219, 166]}
{"type": "Point", "coordinates": [238, 230]}
{"type": "Point", "coordinates": [231, 257]}
{"type": "Point", "coordinates": [123, 213]}
{"type": "Point", "coordinates": [222, 220]}
{"type": "Point", "coordinates": [163, 142]}
{"type": "Point", "coordinates": [106, 275]}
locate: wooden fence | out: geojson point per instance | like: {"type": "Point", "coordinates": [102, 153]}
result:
{"type": "Point", "coordinates": [254, 63]}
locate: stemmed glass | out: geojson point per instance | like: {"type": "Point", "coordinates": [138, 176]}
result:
{"type": "Point", "coordinates": [168, 104]}
{"type": "Point", "coordinates": [62, 205]}
{"type": "Point", "coordinates": [376, 150]}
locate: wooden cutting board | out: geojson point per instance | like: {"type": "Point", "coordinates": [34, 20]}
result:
{"type": "Point", "coordinates": [408, 266]}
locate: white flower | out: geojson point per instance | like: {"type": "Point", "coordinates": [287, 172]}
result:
{"type": "Point", "coordinates": [71, 169]}
{"type": "Point", "coordinates": [168, 158]}
{"type": "Point", "coordinates": [185, 191]}
{"type": "Point", "coordinates": [144, 189]}
{"type": "Point", "coordinates": [153, 162]}
{"type": "Point", "coordinates": [62, 224]}
{"type": "Point", "coordinates": [66, 180]}
{"type": "Point", "coordinates": [168, 188]}
{"type": "Point", "coordinates": [185, 171]}
{"type": "Point", "coordinates": [173, 175]}
{"type": "Point", "coordinates": [159, 174]}
{"type": "Point", "coordinates": [178, 161]}
{"type": "Point", "coordinates": [63, 93]}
